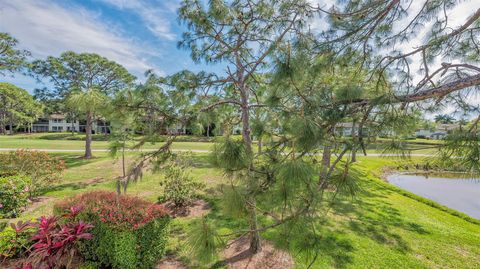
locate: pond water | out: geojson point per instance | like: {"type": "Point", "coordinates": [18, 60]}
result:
{"type": "Point", "coordinates": [457, 192]}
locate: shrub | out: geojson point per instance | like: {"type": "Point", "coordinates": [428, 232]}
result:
{"type": "Point", "coordinates": [56, 244]}
{"type": "Point", "coordinates": [39, 166]}
{"type": "Point", "coordinates": [13, 195]}
{"type": "Point", "coordinates": [53, 244]}
{"type": "Point", "coordinates": [129, 232]}
{"type": "Point", "coordinates": [15, 239]}
{"type": "Point", "coordinates": [179, 187]}
{"type": "Point", "coordinates": [124, 212]}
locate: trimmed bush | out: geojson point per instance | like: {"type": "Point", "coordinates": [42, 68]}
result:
{"type": "Point", "coordinates": [13, 195]}
{"type": "Point", "coordinates": [129, 232]}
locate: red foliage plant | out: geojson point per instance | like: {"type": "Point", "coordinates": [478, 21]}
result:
{"type": "Point", "coordinates": [119, 211]}
{"type": "Point", "coordinates": [54, 243]}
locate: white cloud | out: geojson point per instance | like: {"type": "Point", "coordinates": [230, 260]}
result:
{"type": "Point", "coordinates": [152, 14]}
{"type": "Point", "coordinates": [46, 28]}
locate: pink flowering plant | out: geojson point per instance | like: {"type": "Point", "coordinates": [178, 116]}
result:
{"type": "Point", "coordinates": [39, 166]}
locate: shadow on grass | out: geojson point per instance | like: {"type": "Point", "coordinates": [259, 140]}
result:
{"type": "Point", "coordinates": [372, 216]}
{"type": "Point", "coordinates": [73, 186]}
{"type": "Point", "coordinates": [74, 160]}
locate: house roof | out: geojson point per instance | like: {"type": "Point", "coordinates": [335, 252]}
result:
{"type": "Point", "coordinates": [447, 127]}
{"type": "Point", "coordinates": [345, 124]}
{"type": "Point", "coordinates": [57, 116]}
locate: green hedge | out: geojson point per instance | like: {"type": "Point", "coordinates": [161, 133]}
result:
{"type": "Point", "coordinates": [127, 249]}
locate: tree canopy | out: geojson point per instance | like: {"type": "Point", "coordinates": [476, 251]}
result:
{"type": "Point", "coordinates": [83, 78]}
{"type": "Point", "coordinates": [12, 59]}
{"type": "Point", "coordinates": [18, 107]}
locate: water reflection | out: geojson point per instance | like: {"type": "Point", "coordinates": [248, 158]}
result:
{"type": "Point", "coordinates": [457, 191]}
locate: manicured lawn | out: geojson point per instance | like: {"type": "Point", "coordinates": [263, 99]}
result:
{"type": "Point", "coordinates": [33, 142]}
{"type": "Point", "coordinates": [380, 227]}
{"type": "Point", "coordinates": [57, 141]}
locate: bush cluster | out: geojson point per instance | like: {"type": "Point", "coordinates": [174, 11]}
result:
{"type": "Point", "coordinates": [129, 232]}
{"type": "Point", "coordinates": [124, 212]}
{"type": "Point", "coordinates": [13, 195]}
{"type": "Point", "coordinates": [42, 168]}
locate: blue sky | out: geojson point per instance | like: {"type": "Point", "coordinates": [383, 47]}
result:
{"type": "Point", "coordinates": [139, 34]}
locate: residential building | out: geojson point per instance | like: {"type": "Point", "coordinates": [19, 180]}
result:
{"type": "Point", "coordinates": [59, 123]}
{"type": "Point", "coordinates": [346, 129]}
{"type": "Point", "coordinates": [439, 132]}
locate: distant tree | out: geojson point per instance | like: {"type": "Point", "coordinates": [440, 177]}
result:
{"type": "Point", "coordinates": [18, 107]}
{"type": "Point", "coordinates": [12, 59]}
{"type": "Point", "coordinates": [84, 75]}
{"type": "Point", "coordinates": [445, 119]}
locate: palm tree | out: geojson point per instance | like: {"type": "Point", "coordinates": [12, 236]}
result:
{"type": "Point", "coordinates": [88, 102]}
{"type": "Point", "coordinates": [446, 119]}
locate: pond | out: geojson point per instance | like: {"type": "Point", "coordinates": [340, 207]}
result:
{"type": "Point", "coordinates": [452, 190]}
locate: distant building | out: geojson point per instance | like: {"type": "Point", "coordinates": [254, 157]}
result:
{"type": "Point", "coordinates": [439, 132]}
{"type": "Point", "coordinates": [58, 123]}
{"type": "Point", "coordinates": [346, 129]}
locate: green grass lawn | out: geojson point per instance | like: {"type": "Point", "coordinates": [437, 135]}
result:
{"type": "Point", "coordinates": [381, 227]}
{"type": "Point", "coordinates": [34, 142]}
{"type": "Point", "coordinates": [57, 141]}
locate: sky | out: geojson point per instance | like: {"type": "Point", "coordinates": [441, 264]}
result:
{"type": "Point", "coordinates": [139, 34]}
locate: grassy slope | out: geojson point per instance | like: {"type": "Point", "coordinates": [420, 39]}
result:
{"type": "Point", "coordinates": [381, 229]}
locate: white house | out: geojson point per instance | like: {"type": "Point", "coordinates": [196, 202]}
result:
{"type": "Point", "coordinates": [439, 132]}
{"type": "Point", "coordinates": [58, 123]}
{"type": "Point", "coordinates": [346, 129]}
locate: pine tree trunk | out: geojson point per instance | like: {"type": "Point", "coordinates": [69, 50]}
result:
{"type": "Point", "coordinates": [119, 185]}
{"type": "Point", "coordinates": [208, 131]}
{"type": "Point", "coordinates": [260, 145]}
{"type": "Point", "coordinates": [11, 124]}
{"type": "Point", "coordinates": [255, 243]}
{"type": "Point", "coordinates": [326, 157]}
{"type": "Point", "coordinates": [355, 142]}
{"type": "Point", "coordinates": [88, 136]}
